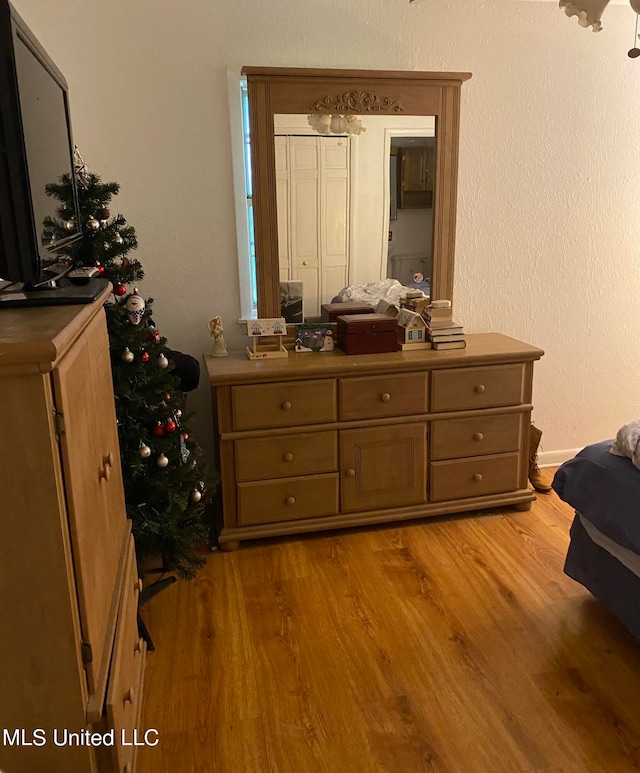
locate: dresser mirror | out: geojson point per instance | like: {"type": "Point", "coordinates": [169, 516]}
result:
{"type": "Point", "coordinates": [362, 211]}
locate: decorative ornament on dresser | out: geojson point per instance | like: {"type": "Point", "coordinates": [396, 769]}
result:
{"type": "Point", "coordinates": [216, 331]}
{"type": "Point", "coordinates": [267, 338]}
{"type": "Point", "coordinates": [155, 438]}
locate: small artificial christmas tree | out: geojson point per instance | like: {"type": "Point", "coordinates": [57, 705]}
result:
{"type": "Point", "coordinates": [166, 483]}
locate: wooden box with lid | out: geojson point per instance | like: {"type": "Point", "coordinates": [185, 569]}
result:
{"type": "Point", "coordinates": [367, 333]}
{"type": "Point", "coordinates": [331, 311]}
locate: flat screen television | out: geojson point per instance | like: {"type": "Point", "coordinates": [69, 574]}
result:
{"type": "Point", "coordinates": [36, 148]}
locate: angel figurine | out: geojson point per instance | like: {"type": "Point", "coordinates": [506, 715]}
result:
{"type": "Point", "coordinates": [216, 331]}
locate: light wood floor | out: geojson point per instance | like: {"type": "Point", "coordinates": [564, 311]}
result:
{"type": "Point", "coordinates": [452, 645]}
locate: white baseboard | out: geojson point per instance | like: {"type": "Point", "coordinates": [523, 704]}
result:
{"type": "Point", "coordinates": [556, 458]}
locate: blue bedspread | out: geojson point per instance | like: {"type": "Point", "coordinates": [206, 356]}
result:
{"type": "Point", "coordinates": [606, 489]}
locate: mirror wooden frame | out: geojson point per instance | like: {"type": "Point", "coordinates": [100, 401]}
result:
{"type": "Point", "coordinates": [274, 90]}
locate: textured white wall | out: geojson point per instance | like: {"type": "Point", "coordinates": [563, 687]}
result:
{"type": "Point", "coordinates": [548, 232]}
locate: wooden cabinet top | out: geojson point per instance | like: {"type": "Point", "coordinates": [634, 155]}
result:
{"type": "Point", "coordinates": [41, 335]}
{"type": "Point", "coordinates": [481, 348]}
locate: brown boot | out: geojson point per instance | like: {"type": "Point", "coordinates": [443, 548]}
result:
{"type": "Point", "coordinates": [536, 477]}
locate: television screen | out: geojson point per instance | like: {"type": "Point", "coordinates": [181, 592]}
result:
{"type": "Point", "coordinates": [36, 149]}
{"type": "Point", "coordinates": [45, 131]}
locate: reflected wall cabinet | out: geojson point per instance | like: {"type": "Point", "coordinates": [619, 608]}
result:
{"type": "Point", "coordinates": [70, 656]}
{"type": "Point", "coordinates": [325, 440]}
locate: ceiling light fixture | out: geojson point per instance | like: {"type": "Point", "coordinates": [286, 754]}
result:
{"type": "Point", "coordinates": [589, 13]}
{"type": "Point", "coordinates": [335, 124]}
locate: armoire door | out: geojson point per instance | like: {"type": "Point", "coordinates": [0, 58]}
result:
{"type": "Point", "coordinates": [93, 483]}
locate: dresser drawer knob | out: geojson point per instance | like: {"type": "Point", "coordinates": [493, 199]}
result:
{"type": "Point", "coordinates": [350, 473]}
{"type": "Point", "coordinates": [288, 457]}
{"type": "Point", "coordinates": [130, 695]}
{"type": "Point", "coordinates": [286, 406]}
{"type": "Point", "coordinates": [290, 501]}
{"type": "Point", "coordinates": [385, 397]}
{"type": "Point", "coordinates": [479, 388]}
{"type": "Point", "coordinates": [105, 472]}
{"type": "Point", "coordinates": [476, 476]}
{"type": "Point", "coordinates": [108, 459]}
{"type": "Point", "coordinates": [478, 436]}
{"type": "Point", "coordinates": [137, 585]}
{"type": "Point", "coordinates": [139, 644]}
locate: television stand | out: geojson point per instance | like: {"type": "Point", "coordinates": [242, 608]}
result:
{"type": "Point", "coordinates": [65, 294]}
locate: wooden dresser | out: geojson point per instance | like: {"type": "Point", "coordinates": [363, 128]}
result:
{"type": "Point", "coordinates": [325, 440]}
{"type": "Point", "coordinates": [70, 656]}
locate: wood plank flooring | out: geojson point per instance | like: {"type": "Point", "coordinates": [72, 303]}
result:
{"type": "Point", "coordinates": [454, 645]}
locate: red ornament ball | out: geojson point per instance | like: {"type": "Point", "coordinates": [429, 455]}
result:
{"type": "Point", "coordinates": [170, 426]}
{"type": "Point", "coordinates": [185, 436]}
{"type": "Point", "coordinates": [144, 356]}
{"type": "Point", "coordinates": [120, 290]}
{"type": "Point", "coordinates": [167, 397]}
{"type": "Point", "coordinates": [158, 430]}
{"type": "Point", "coordinates": [104, 213]}
{"type": "Point", "coordinates": [100, 269]}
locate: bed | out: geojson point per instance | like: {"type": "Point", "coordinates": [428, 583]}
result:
{"type": "Point", "coordinates": [604, 552]}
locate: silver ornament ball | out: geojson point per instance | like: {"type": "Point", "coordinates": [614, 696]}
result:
{"type": "Point", "coordinates": [70, 225]}
{"type": "Point", "coordinates": [93, 224]}
{"type": "Point", "coordinates": [145, 451]}
{"type": "Point", "coordinates": [162, 461]}
{"type": "Point", "coordinates": [196, 496]}
{"type": "Point", "coordinates": [127, 355]}
{"type": "Point", "coordinates": [162, 361]}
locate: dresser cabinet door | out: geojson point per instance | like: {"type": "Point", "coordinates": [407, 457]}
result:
{"type": "Point", "coordinates": [91, 464]}
{"type": "Point", "coordinates": [383, 467]}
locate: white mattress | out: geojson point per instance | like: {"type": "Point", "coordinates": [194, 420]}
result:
{"type": "Point", "coordinates": [626, 557]}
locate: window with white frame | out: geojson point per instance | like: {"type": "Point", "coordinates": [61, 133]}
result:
{"type": "Point", "coordinates": [243, 194]}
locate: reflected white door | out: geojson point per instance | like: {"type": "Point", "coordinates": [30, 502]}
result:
{"type": "Point", "coordinates": [313, 215]}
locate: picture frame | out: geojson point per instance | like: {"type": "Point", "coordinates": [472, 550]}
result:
{"type": "Point", "coordinates": [315, 337]}
{"type": "Point", "coordinates": [291, 304]}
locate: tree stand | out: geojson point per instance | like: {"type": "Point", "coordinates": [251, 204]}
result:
{"type": "Point", "coordinates": [146, 594]}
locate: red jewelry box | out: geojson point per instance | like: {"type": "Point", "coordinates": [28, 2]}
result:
{"type": "Point", "coordinates": [331, 311]}
{"type": "Point", "coordinates": [367, 333]}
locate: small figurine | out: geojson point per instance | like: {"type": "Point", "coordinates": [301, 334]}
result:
{"type": "Point", "coordinates": [329, 343]}
{"type": "Point", "coordinates": [216, 331]}
{"type": "Point", "coordinates": [135, 308]}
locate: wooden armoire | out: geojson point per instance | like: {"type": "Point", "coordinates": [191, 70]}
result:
{"type": "Point", "coordinates": [71, 660]}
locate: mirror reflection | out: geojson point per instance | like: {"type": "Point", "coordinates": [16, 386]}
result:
{"type": "Point", "coordinates": [352, 208]}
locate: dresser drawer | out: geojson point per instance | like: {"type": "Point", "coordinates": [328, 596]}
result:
{"type": "Point", "coordinates": [454, 438]}
{"type": "Point", "coordinates": [124, 696]}
{"type": "Point", "coordinates": [379, 396]}
{"type": "Point", "coordinates": [467, 388]}
{"type": "Point", "coordinates": [287, 499]}
{"type": "Point", "coordinates": [283, 404]}
{"type": "Point", "coordinates": [475, 477]}
{"type": "Point", "coordinates": [285, 456]}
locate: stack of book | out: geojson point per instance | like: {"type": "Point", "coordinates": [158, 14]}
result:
{"type": "Point", "coordinates": [443, 332]}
